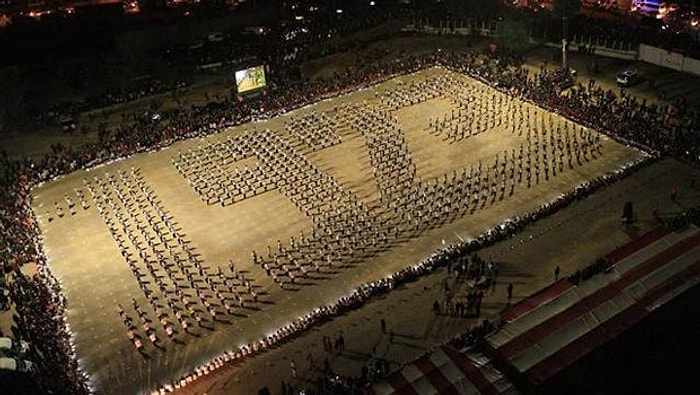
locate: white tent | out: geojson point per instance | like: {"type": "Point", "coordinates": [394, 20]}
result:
{"type": "Point", "coordinates": [577, 320]}
{"type": "Point", "coordinates": [446, 371]}
{"type": "Point", "coordinates": [16, 364]}
{"type": "Point", "coordinates": [8, 363]}
{"type": "Point", "coordinates": [5, 343]}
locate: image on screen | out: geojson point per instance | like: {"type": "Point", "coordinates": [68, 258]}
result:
{"type": "Point", "coordinates": [250, 79]}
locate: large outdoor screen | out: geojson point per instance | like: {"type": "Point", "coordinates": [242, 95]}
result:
{"type": "Point", "coordinates": [250, 79]}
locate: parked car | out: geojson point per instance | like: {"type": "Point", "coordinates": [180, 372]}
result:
{"type": "Point", "coordinates": [627, 77]}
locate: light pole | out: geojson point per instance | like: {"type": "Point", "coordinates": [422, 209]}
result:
{"type": "Point", "coordinates": [563, 43]}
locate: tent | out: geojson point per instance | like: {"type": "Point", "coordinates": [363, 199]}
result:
{"type": "Point", "coordinates": [8, 363]}
{"type": "Point", "coordinates": [546, 336]}
{"type": "Point", "coordinates": [5, 344]}
{"type": "Point", "coordinates": [446, 371]}
{"type": "Point", "coordinates": [14, 364]}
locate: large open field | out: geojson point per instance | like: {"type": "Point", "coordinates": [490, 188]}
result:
{"type": "Point", "coordinates": [217, 225]}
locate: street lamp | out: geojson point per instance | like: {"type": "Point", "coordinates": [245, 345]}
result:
{"type": "Point", "coordinates": [563, 42]}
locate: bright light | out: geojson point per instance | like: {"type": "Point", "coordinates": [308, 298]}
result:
{"type": "Point", "coordinates": [299, 18]}
{"type": "Point", "coordinates": [371, 3]}
{"type": "Point", "coordinates": [339, 11]}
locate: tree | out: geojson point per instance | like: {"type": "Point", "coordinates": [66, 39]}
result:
{"type": "Point", "coordinates": [567, 8]}
{"type": "Point", "coordinates": [463, 8]}
{"type": "Point", "coordinates": [512, 35]}
{"type": "Point", "coordinates": [12, 88]}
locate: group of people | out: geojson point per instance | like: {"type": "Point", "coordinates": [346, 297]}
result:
{"type": "Point", "coordinates": [344, 230]}
{"type": "Point", "coordinates": [341, 222]}
{"type": "Point", "coordinates": [65, 113]}
{"type": "Point", "coordinates": [317, 130]}
{"type": "Point", "coordinates": [183, 291]}
{"type": "Point", "coordinates": [39, 304]}
{"type": "Point", "coordinates": [340, 227]}
{"type": "Point", "coordinates": [212, 173]}
{"type": "Point", "coordinates": [469, 307]}
{"type": "Point", "coordinates": [402, 95]}
{"type": "Point", "coordinates": [635, 121]}
{"type": "Point", "coordinates": [450, 255]}
{"type": "Point", "coordinates": [479, 109]}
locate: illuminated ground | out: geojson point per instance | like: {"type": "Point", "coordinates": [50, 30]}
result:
{"type": "Point", "coordinates": [95, 277]}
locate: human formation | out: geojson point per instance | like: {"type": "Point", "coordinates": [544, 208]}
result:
{"type": "Point", "coordinates": [180, 292]}
{"type": "Point", "coordinates": [347, 230]}
{"type": "Point", "coordinates": [317, 130]}
{"type": "Point", "coordinates": [404, 95]}
{"type": "Point", "coordinates": [621, 116]}
{"type": "Point", "coordinates": [212, 172]}
{"type": "Point", "coordinates": [480, 108]}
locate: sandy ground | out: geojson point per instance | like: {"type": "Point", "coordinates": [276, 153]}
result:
{"type": "Point", "coordinates": [95, 277]}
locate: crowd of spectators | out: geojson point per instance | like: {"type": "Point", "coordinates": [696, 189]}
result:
{"type": "Point", "coordinates": [67, 111]}
{"type": "Point", "coordinates": [599, 266]}
{"type": "Point", "coordinates": [687, 217]}
{"type": "Point", "coordinates": [39, 305]}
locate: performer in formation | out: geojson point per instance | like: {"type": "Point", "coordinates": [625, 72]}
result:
{"type": "Point", "coordinates": [180, 288]}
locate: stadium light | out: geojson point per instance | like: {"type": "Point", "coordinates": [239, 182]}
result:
{"type": "Point", "coordinates": [339, 11]}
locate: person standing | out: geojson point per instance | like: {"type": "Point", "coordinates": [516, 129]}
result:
{"type": "Point", "coordinates": [383, 326]}
{"type": "Point", "coordinates": [310, 360]}
{"type": "Point", "coordinates": [510, 291]}
{"type": "Point", "coordinates": [556, 273]}
{"type": "Point", "coordinates": [293, 366]}
{"type": "Point", "coordinates": [436, 307]}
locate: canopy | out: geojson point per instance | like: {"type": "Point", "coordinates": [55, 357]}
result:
{"type": "Point", "coordinates": [564, 323]}
{"type": "Point", "coordinates": [446, 371]}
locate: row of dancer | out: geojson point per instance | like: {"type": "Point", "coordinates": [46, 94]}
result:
{"type": "Point", "coordinates": [176, 283]}
{"type": "Point", "coordinates": [479, 109]}
{"type": "Point", "coordinates": [316, 129]}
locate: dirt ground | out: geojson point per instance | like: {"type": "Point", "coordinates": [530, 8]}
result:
{"type": "Point", "coordinates": [96, 278]}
